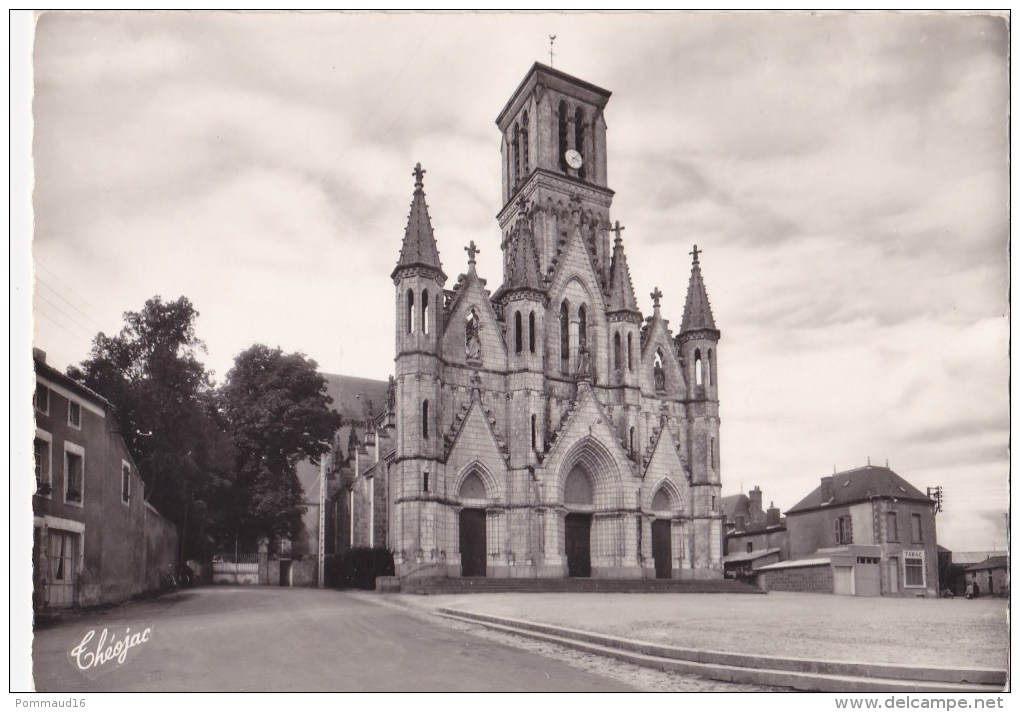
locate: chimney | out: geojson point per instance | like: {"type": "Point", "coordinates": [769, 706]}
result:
{"type": "Point", "coordinates": [826, 489]}
{"type": "Point", "coordinates": [755, 509]}
{"type": "Point", "coordinates": [772, 515]}
{"type": "Point", "coordinates": [39, 355]}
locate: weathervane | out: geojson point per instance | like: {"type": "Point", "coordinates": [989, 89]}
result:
{"type": "Point", "coordinates": [552, 38]}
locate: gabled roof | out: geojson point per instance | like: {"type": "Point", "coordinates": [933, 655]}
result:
{"type": "Point", "coordinates": [860, 485]}
{"type": "Point", "coordinates": [419, 246]}
{"type": "Point", "coordinates": [44, 370]}
{"type": "Point", "coordinates": [357, 400]}
{"type": "Point", "coordinates": [735, 505]}
{"type": "Point", "coordinates": [992, 562]}
{"type": "Point", "coordinates": [971, 557]}
{"type": "Point", "coordinates": [621, 289]}
{"type": "Point", "coordinates": [697, 310]}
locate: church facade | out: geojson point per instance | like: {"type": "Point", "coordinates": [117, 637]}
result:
{"type": "Point", "coordinates": [548, 428]}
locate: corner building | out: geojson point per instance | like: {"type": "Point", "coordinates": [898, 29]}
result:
{"type": "Point", "coordinates": [548, 429]}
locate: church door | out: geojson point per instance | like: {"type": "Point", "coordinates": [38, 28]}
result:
{"type": "Point", "coordinates": [472, 542]}
{"type": "Point", "coordinates": [578, 545]}
{"type": "Point", "coordinates": [662, 549]}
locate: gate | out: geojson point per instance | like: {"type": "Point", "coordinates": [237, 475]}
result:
{"type": "Point", "coordinates": [472, 542]}
{"type": "Point", "coordinates": [662, 548]}
{"type": "Point", "coordinates": [236, 569]}
{"type": "Point", "coordinates": [578, 545]}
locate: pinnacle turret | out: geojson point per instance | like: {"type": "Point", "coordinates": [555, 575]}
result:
{"type": "Point", "coordinates": [523, 262]}
{"type": "Point", "coordinates": [419, 246]}
{"type": "Point", "coordinates": [621, 289]}
{"type": "Point", "coordinates": [697, 310]}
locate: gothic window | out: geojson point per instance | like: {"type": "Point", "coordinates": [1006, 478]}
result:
{"type": "Point", "coordinates": [563, 136]}
{"type": "Point", "coordinates": [518, 333]}
{"type": "Point", "coordinates": [582, 326]}
{"type": "Point", "coordinates": [425, 419]}
{"type": "Point", "coordinates": [531, 332]}
{"type": "Point", "coordinates": [711, 451]}
{"type": "Point", "coordinates": [424, 481]}
{"type": "Point", "coordinates": [565, 337]}
{"type": "Point", "coordinates": [534, 431]}
{"type": "Point", "coordinates": [424, 311]}
{"type": "Point", "coordinates": [617, 352]}
{"type": "Point", "coordinates": [410, 311]}
{"type": "Point", "coordinates": [697, 367]}
{"type": "Point", "coordinates": [472, 335]}
{"type": "Point", "coordinates": [658, 374]}
{"type": "Point", "coordinates": [631, 440]}
{"type": "Point", "coordinates": [524, 145]}
{"type": "Point", "coordinates": [579, 139]}
{"type": "Point", "coordinates": [515, 153]}
{"type": "Point", "coordinates": [630, 353]}
{"type": "Point", "coordinates": [711, 368]}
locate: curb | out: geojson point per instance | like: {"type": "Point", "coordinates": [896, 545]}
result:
{"type": "Point", "coordinates": [797, 673]}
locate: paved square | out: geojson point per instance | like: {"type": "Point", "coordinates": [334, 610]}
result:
{"type": "Point", "coordinates": [935, 632]}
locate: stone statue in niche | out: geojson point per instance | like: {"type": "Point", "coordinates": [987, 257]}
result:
{"type": "Point", "coordinates": [472, 337]}
{"type": "Point", "coordinates": [583, 363]}
{"type": "Point", "coordinates": [659, 376]}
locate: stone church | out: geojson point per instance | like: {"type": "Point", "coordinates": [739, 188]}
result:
{"type": "Point", "coordinates": [548, 428]}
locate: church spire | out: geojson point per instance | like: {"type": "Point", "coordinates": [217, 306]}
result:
{"type": "Point", "coordinates": [621, 289]}
{"type": "Point", "coordinates": [697, 310]}
{"type": "Point", "coordinates": [419, 246]}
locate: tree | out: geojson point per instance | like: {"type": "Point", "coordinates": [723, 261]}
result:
{"type": "Point", "coordinates": [277, 413]}
{"type": "Point", "coordinates": [165, 409]}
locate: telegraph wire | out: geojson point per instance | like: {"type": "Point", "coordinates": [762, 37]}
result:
{"type": "Point", "coordinates": [86, 330]}
{"type": "Point", "coordinates": [69, 302]}
{"type": "Point", "coordinates": [86, 302]}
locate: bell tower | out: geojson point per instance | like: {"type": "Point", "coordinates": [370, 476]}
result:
{"type": "Point", "coordinates": [554, 151]}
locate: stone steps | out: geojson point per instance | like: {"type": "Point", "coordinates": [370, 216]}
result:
{"type": "Point", "coordinates": [438, 586]}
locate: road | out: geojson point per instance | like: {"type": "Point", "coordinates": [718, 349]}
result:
{"type": "Point", "coordinates": [287, 639]}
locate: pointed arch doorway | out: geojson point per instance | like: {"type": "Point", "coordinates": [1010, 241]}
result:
{"type": "Point", "coordinates": [472, 527]}
{"type": "Point", "coordinates": [577, 495]}
{"type": "Point", "coordinates": [662, 534]}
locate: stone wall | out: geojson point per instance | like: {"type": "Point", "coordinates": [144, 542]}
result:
{"type": "Point", "coordinates": [809, 579]}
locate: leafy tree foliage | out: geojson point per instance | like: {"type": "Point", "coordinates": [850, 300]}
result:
{"type": "Point", "coordinates": [277, 413]}
{"type": "Point", "coordinates": [165, 409]}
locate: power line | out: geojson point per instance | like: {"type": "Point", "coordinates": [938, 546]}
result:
{"type": "Point", "coordinates": [86, 330]}
{"type": "Point", "coordinates": [61, 280]}
{"type": "Point", "coordinates": [48, 286]}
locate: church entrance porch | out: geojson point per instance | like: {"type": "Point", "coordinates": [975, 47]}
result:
{"type": "Point", "coordinates": [662, 549]}
{"type": "Point", "coordinates": [577, 531]}
{"type": "Point", "coordinates": [472, 542]}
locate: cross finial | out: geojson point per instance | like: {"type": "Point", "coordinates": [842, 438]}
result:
{"type": "Point", "coordinates": [695, 252]}
{"type": "Point", "coordinates": [552, 38]}
{"type": "Point", "coordinates": [656, 296]}
{"type": "Point", "coordinates": [472, 250]}
{"type": "Point", "coordinates": [419, 175]}
{"type": "Point", "coordinates": [618, 228]}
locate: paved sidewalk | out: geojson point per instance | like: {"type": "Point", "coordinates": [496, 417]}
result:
{"type": "Point", "coordinates": [935, 632]}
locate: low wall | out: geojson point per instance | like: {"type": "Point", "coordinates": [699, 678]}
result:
{"type": "Point", "coordinates": [816, 578]}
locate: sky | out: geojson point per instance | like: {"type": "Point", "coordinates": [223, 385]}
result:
{"type": "Point", "coordinates": [845, 174]}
